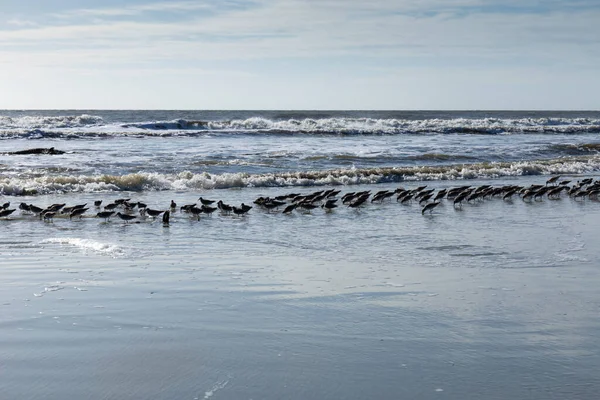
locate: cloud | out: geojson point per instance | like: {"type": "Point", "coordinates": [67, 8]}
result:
{"type": "Point", "coordinates": [18, 22]}
{"type": "Point", "coordinates": [406, 31]}
{"type": "Point", "coordinates": [160, 7]}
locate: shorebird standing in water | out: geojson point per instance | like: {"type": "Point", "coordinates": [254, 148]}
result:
{"type": "Point", "coordinates": [553, 180]}
{"type": "Point", "coordinates": [105, 214]}
{"type": "Point", "coordinates": [206, 202]}
{"type": "Point", "coordinates": [6, 212]}
{"type": "Point", "coordinates": [153, 213]}
{"type": "Point", "coordinates": [126, 217]}
{"type": "Point", "coordinates": [289, 208]}
{"type": "Point", "coordinates": [429, 207]}
{"type": "Point", "coordinates": [329, 205]}
{"type": "Point", "coordinates": [77, 212]}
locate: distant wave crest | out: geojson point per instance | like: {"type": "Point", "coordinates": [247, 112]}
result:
{"type": "Point", "coordinates": [92, 126]}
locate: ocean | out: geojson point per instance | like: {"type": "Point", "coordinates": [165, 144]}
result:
{"type": "Point", "coordinates": [493, 298]}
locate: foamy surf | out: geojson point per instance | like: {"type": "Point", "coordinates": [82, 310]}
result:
{"type": "Point", "coordinates": [91, 126]}
{"type": "Point", "coordinates": [187, 180]}
{"type": "Point", "coordinates": [88, 245]}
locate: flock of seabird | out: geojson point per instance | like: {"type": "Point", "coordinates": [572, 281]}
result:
{"type": "Point", "coordinates": [327, 200]}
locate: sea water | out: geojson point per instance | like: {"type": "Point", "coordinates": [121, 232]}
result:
{"type": "Point", "coordinates": [495, 299]}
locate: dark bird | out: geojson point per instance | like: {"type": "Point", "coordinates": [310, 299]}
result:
{"type": "Point", "coordinates": [6, 212]}
{"type": "Point", "coordinates": [440, 195]}
{"type": "Point", "coordinates": [154, 213]}
{"type": "Point", "coordinates": [55, 207]}
{"type": "Point", "coordinates": [196, 212]}
{"type": "Point", "coordinates": [173, 204]}
{"type": "Point", "coordinates": [208, 210]}
{"type": "Point", "coordinates": [245, 207]}
{"type": "Point", "coordinates": [47, 215]}
{"type": "Point", "coordinates": [165, 218]}
{"type": "Point", "coordinates": [271, 204]}
{"type": "Point", "coordinates": [225, 208]}
{"type": "Point", "coordinates": [408, 196]}
{"type": "Point", "coordinates": [77, 212]}
{"type": "Point", "coordinates": [35, 209]}
{"type": "Point", "coordinates": [126, 217]}
{"type": "Point", "coordinates": [307, 206]}
{"type": "Point", "coordinates": [552, 180]}
{"type": "Point", "coordinates": [5, 206]}
{"type": "Point", "coordinates": [358, 202]}
{"type": "Point", "coordinates": [425, 198]}
{"type": "Point", "coordinates": [329, 205]}
{"type": "Point", "coordinates": [239, 211]}
{"type": "Point", "coordinates": [105, 214]}
{"type": "Point", "coordinates": [205, 201]}
{"type": "Point", "coordinates": [111, 206]}
{"type": "Point", "coordinates": [333, 193]}
{"type": "Point", "coordinates": [289, 208]}
{"type": "Point", "coordinates": [429, 207]}
{"type": "Point", "coordinates": [97, 203]}
{"type": "Point", "coordinates": [25, 207]}
{"type": "Point", "coordinates": [458, 199]}
{"type": "Point", "coordinates": [509, 194]}
{"type": "Point", "coordinates": [186, 208]}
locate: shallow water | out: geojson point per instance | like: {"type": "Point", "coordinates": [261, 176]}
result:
{"type": "Point", "coordinates": [495, 299]}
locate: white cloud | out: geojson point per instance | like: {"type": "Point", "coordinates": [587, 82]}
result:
{"type": "Point", "coordinates": [18, 22]}
{"type": "Point", "coordinates": [430, 36]}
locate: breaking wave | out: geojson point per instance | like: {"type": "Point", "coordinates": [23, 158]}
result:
{"type": "Point", "coordinates": [89, 126]}
{"type": "Point", "coordinates": [139, 182]}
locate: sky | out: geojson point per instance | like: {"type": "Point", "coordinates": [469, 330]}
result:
{"type": "Point", "coordinates": [300, 54]}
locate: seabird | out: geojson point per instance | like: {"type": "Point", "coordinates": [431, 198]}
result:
{"type": "Point", "coordinates": [225, 208]}
{"type": "Point", "coordinates": [429, 207]}
{"type": "Point", "coordinates": [239, 211]}
{"type": "Point", "coordinates": [206, 202]}
{"type": "Point", "coordinates": [196, 212]}
{"type": "Point", "coordinates": [78, 212]}
{"type": "Point", "coordinates": [6, 212]}
{"type": "Point", "coordinates": [553, 180]}
{"type": "Point", "coordinates": [105, 214]}
{"type": "Point", "coordinates": [154, 213]}
{"type": "Point", "coordinates": [307, 206]}
{"type": "Point", "coordinates": [289, 208]}
{"type": "Point", "coordinates": [126, 217]}
{"type": "Point", "coordinates": [208, 210]}
{"type": "Point", "coordinates": [111, 206]}
{"type": "Point", "coordinates": [329, 205]}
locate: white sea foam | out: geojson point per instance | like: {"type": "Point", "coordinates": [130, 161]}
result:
{"type": "Point", "coordinates": [187, 180]}
{"type": "Point", "coordinates": [216, 387]}
{"type": "Point", "coordinates": [385, 126]}
{"type": "Point", "coordinates": [46, 122]}
{"type": "Point", "coordinates": [89, 125]}
{"type": "Point", "coordinates": [89, 245]}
